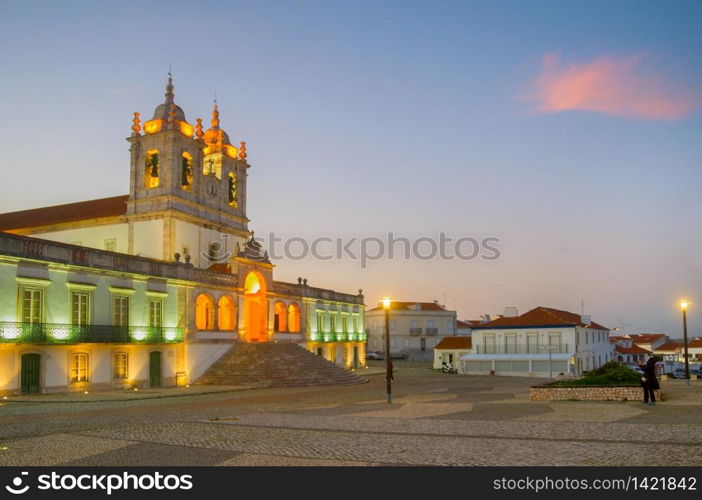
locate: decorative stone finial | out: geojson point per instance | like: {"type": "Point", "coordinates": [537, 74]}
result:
{"type": "Point", "coordinates": [215, 117]}
{"type": "Point", "coordinates": [242, 150]}
{"type": "Point", "coordinates": [198, 129]}
{"type": "Point", "coordinates": [304, 282]}
{"type": "Point", "coordinates": [299, 281]}
{"type": "Point", "coordinates": [187, 258]}
{"type": "Point", "coordinates": [136, 125]}
{"type": "Point", "coordinates": [177, 257]}
{"type": "Point", "coordinates": [170, 96]}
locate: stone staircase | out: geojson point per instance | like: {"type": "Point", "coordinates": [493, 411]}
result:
{"type": "Point", "coordinates": [275, 365]}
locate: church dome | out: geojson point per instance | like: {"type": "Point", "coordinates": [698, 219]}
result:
{"type": "Point", "coordinates": [163, 112]}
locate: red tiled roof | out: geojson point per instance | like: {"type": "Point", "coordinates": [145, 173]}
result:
{"type": "Point", "coordinates": [70, 212]}
{"type": "Point", "coordinates": [646, 338]}
{"type": "Point", "coordinates": [408, 306]}
{"type": "Point", "coordinates": [454, 343]}
{"type": "Point", "coordinates": [541, 316]}
{"type": "Point", "coordinates": [669, 346]}
{"type": "Point", "coordinates": [631, 350]}
{"type": "Point", "coordinates": [694, 343]}
{"type": "Point", "coordinates": [463, 324]}
{"type": "Point", "coordinates": [617, 338]}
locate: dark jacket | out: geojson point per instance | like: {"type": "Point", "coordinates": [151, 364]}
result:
{"type": "Point", "coordinates": [650, 375]}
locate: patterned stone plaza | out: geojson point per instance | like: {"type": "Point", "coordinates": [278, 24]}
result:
{"type": "Point", "coordinates": [435, 419]}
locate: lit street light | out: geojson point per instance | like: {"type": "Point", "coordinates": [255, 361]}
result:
{"type": "Point", "coordinates": [683, 306]}
{"type": "Point", "coordinates": [388, 364]}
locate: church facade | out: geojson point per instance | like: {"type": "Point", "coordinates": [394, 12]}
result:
{"type": "Point", "coordinates": [151, 288]}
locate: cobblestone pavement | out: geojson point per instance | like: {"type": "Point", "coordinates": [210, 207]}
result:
{"type": "Point", "coordinates": [435, 419]}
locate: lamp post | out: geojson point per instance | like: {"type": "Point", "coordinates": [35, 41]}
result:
{"type": "Point", "coordinates": [388, 364]}
{"type": "Point", "coordinates": [550, 348]}
{"type": "Point", "coordinates": [683, 306]}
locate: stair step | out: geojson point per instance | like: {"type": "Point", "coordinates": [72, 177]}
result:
{"type": "Point", "coordinates": [275, 365]}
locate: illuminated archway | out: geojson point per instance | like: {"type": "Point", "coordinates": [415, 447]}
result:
{"type": "Point", "coordinates": [294, 318]}
{"type": "Point", "coordinates": [280, 319]}
{"type": "Point", "coordinates": [226, 313]}
{"type": "Point", "coordinates": [204, 312]}
{"type": "Point", "coordinates": [255, 307]}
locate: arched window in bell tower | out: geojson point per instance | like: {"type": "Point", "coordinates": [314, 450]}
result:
{"type": "Point", "coordinates": [152, 168]}
{"type": "Point", "coordinates": [232, 190]}
{"type": "Point", "coordinates": [186, 171]}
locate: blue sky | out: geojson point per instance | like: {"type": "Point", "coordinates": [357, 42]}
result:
{"type": "Point", "coordinates": [413, 117]}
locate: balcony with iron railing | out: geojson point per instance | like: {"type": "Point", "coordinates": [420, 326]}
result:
{"type": "Point", "coordinates": [432, 331]}
{"type": "Point", "coordinates": [522, 349]}
{"type": "Point", "coordinates": [339, 337]}
{"type": "Point", "coordinates": [415, 331]}
{"type": "Point", "coordinates": [55, 333]}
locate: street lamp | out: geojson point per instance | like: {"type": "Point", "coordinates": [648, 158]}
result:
{"type": "Point", "coordinates": [550, 348]}
{"type": "Point", "coordinates": [683, 307]}
{"type": "Point", "coordinates": [388, 364]}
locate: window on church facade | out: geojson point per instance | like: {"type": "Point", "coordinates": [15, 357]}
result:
{"type": "Point", "coordinates": [80, 308]}
{"type": "Point", "coordinates": [226, 317]}
{"type": "Point", "coordinates": [186, 172]}
{"type": "Point", "coordinates": [204, 312]}
{"type": "Point", "coordinates": [232, 190]}
{"type": "Point", "coordinates": [152, 169]}
{"type": "Point", "coordinates": [293, 318]}
{"type": "Point", "coordinates": [79, 367]}
{"type": "Point", "coordinates": [120, 310]}
{"type": "Point", "coordinates": [32, 305]}
{"type": "Point", "coordinates": [155, 313]}
{"type": "Point", "coordinates": [120, 366]}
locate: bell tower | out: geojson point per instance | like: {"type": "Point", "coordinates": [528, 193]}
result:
{"type": "Point", "coordinates": [192, 180]}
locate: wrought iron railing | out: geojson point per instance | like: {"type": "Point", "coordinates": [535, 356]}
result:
{"type": "Point", "coordinates": [415, 331]}
{"type": "Point", "coordinates": [54, 333]}
{"type": "Point", "coordinates": [432, 331]}
{"type": "Point", "coordinates": [339, 337]}
{"type": "Point", "coordinates": [522, 349]}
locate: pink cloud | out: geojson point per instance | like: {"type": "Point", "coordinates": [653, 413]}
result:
{"type": "Point", "coordinates": [617, 86]}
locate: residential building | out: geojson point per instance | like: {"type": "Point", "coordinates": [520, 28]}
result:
{"type": "Point", "coordinates": [541, 341]}
{"type": "Point", "coordinates": [450, 350]}
{"type": "Point", "coordinates": [415, 328]}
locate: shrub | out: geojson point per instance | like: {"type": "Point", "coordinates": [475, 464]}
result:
{"type": "Point", "coordinates": [611, 373]}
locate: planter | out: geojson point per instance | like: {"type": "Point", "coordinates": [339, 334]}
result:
{"type": "Point", "coordinates": [588, 393]}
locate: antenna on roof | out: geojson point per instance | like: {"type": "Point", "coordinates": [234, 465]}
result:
{"type": "Point", "coordinates": [170, 67]}
{"type": "Point", "coordinates": [582, 307]}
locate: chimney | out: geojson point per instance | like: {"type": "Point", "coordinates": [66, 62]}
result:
{"type": "Point", "coordinates": [585, 318]}
{"type": "Point", "coordinates": [485, 318]}
{"type": "Point", "coordinates": [510, 312]}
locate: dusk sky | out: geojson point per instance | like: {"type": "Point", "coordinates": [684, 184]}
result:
{"type": "Point", "coordinates": [570, 131]}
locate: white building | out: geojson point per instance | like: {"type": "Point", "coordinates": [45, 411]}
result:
{"type": "Point", "coordinates": [415, 328]}
{"type": "Point", "coordinates": [539, 342]}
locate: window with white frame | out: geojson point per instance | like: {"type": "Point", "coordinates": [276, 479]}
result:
{"type": "Point", "coordinates": [155, 313]}
{"type": "Point", "coordinates": [80, 308]}
{"type": "Point", "coordinates": [121, 366]}
{"type": "Point", "coordinates": [120, 310]}
{"type": "Point", "coordinates": [32, 305]}
{"type": "Point", "coordinates": [79, 367]}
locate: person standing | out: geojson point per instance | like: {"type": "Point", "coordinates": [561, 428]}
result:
{"type": "Point", "coordinates": [649, 381]}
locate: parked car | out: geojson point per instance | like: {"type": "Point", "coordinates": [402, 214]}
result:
{"type": "Point", "coordinates": [679, 373]}
{"type": "Point", "coordinates": [636, 369]}
{"type": "Point", "coordinates": [374, 355]}
{"type": "Point", "coordinates": [697, 369]}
